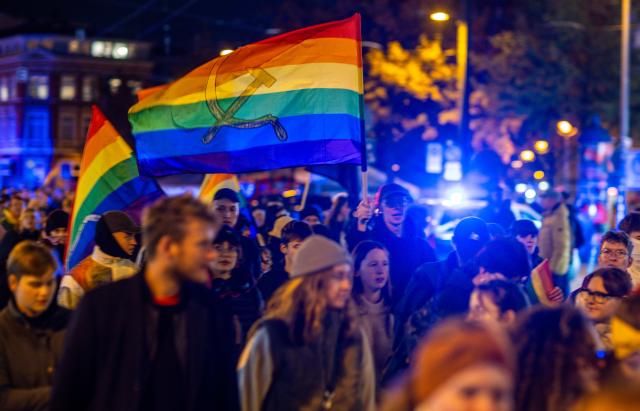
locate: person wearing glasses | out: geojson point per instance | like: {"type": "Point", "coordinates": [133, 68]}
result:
{"type": "Point", "coordinates": [600, 297]}
{"type": "Point", "coordinates": [616, 250]}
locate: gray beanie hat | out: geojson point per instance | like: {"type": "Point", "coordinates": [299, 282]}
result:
{"type": "Point", "coordinates": [318, 253]}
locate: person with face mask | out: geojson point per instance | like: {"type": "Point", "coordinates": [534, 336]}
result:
{"type": "Point", "coordinates": [630, 224]}
{"type": "Point", "coordinates": [407, 252]}
{"type": "Point", "coordinates": [309, 352]}
{"type": "Point", "coordinates": [111, 259]}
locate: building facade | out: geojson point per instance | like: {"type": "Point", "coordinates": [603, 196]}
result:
{"type": "Point", "coordinates": [47, 86]}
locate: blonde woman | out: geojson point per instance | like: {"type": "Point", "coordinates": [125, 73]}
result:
{"type": "Point", "coordinates": [309, 352]}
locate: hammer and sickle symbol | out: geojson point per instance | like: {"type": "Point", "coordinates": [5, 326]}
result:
{"type": "Point", "coordinates": [227, 118]}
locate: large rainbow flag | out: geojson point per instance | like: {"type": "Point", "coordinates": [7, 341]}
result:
{"type": "Point", "coordinates": [291, 100]}
{"type": "Point", "coordinates": [109, 180]}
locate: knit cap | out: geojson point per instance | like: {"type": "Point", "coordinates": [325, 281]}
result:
{"type": "Point", "coordinates": [316, 254]}
{"type": "Point", "coordinates": [56, 219]}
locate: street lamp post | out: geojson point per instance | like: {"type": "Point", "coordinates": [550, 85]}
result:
{"type": "Point", "coordinates": [463, 38]}
{"type": "Point", "coordinates": [624, 104]}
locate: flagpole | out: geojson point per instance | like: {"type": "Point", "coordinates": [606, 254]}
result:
{"type": "Point", "coordinates": [363, 139]}
{"type": "Point", "coordinates": [305, 192]}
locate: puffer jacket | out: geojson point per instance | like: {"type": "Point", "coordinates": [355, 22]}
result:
{"type": "Point", "coordinates": [554, 240]}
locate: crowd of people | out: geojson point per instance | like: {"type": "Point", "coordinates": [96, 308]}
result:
{"type": "Point", "coordinates": [226, 307]}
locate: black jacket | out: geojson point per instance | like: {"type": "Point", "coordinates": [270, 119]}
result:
{"type": "Point", "coordinates": [106, 360]}
{"type": "Point", "coordinates": [406, 254]}
{"type": "Point", "coordinates": [29, 349]}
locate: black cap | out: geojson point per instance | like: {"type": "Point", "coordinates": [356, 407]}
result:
{"type": "Point", "coordinates": [393, 189]}
{"type": "Point", "coordinates": [471, 228]}
{"type": "Point", "coordinates": [226, 194]}
{"type": "Point", "coordinates": [119, 221]}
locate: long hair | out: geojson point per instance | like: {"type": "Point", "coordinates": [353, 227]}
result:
{"type": "Point", "coordinates": [553, 347]}
{"type": "Point", "coordinates": [336, 207]}
{"type": "Point", "coordinates": [301, 304]}
{"type": "Point", "coordinates": [359, 254]}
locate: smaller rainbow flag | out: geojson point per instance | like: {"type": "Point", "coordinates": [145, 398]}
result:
{"type": "Point", "coordinates": [109, 180]}
{"type": "Point", "coordinates": [542, 282]}
{"type": "Point", "coordinates": [214, 182]}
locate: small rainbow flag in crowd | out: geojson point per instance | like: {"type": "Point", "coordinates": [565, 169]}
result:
{"type": "Point", "coordinates": [109, 180]}
{"type": "Point", "coordinates": [214, 182]}
{"type": "Point", "coordinates": [542, 282]}
{"type": "Point", "coordinates": [291, 100]}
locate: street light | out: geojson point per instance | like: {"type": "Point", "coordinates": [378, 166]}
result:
{"type": "Point", "coordinates": [439, 16]}
{"type": "Point", "coordinates": [527, 156]}
{"type": "Point", "coordinates": [517, 164]}
{"type": "Point", "coordinates": [566, 129]}
{"type": "Point", "coordinates": [541, 146]}
{"type": "Point", "coordinates": [463, 41]}
{"type": "Point", "coordinates": [538, 175]}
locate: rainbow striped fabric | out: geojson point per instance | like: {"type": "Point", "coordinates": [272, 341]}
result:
{"type": "Point", "coordinates": [109, 180]}
{"type": "Point", "coordinates": [291, 100]}
{"type": "Point", "coordinates": [214, 182]}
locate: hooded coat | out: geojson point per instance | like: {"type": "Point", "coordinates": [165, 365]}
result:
{"type": "Point", "coordinates": [108, 262]}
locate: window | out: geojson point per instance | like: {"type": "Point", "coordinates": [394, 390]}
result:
{"type": "Point", "coordinates": [114, 85]}
{"type": "Point", "coordinates": [135, 86]}
{"type": "Point", "coordinates": [67, 87]}
{"type": "Point", "coordinates": [36, 133]}
{"type": "Point", "coordinates": [8, 126]}
{"type": "Point", "coordinates": [67, 129]}
{"type": "Point", "coordinates": [39, 86]}
{"type": "Point", "coordinates": [89, 88]}
{"type": "Point", "coordinates": [4, 89]}
{"type": "Point", "coordinates": [102, 49]}
{"type": "Point", "coordinates": [86, 120]}
{"type": "Point", "coordinates": [13, 87]}
{"type": "Point", "coordinates": [120, 51]}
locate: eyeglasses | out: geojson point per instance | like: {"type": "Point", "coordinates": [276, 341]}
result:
{"type": "Point", "coordinates": [597, 296]}
{"type": "Point", "coordinates": [614, 253]}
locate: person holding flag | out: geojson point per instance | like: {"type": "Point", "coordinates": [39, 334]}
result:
{"type": "Point", "coordinates": [111, 259]}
